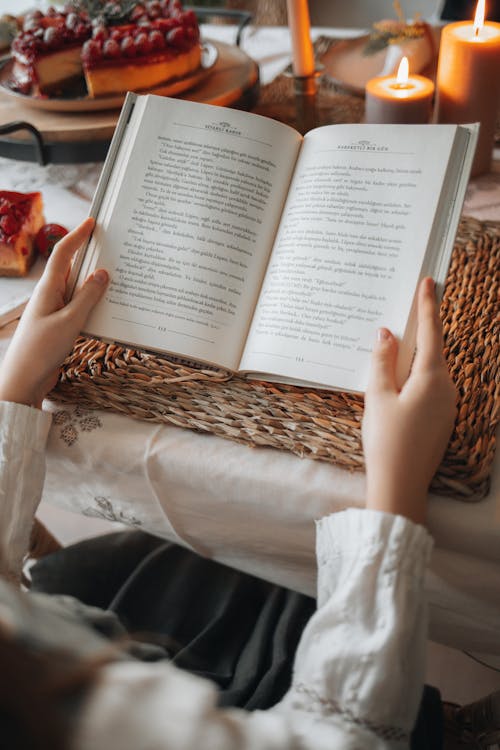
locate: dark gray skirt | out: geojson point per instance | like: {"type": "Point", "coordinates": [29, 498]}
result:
{"type": "Point", "coordinates": [235, 629]}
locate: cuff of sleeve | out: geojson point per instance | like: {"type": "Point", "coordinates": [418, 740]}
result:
{"type": "Point", "coordinates": [365, 534]}
{"type": "Point", "coordinates": [28, 427]}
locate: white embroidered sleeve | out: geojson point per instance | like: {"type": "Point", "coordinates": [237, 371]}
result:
{"type": "Point", "coordinates": [23, 436]}
{"type": "Point", "coordinates": [362, 656]}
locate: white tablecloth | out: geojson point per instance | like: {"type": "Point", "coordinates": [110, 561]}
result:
{"type": "Point", "coordinates": [252, 508]}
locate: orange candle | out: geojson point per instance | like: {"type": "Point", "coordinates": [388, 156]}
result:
{"type": "Point", "coordinates": [468, 80]}
{"type": "Point", "coordinates": [300, 30]}
{"type": "Point", "coordinates": [399, 98]}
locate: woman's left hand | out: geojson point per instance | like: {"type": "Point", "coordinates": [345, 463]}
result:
{"type": "Point", "coordinates": [48, 327]}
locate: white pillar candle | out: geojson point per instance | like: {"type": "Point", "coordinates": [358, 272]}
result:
{"type": "Point", "coordinates": [400, 98]}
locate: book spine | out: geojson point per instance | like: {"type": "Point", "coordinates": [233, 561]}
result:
{"type": "Point", "coordinates": [471, 134]}
{"type": "Point", "coordinates": [107, 171]}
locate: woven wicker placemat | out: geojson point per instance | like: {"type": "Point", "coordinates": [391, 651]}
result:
{"type": "Point", "coordinates": [313, 423]}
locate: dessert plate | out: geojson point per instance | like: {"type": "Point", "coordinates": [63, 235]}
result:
{"type": "Point", "coordinates": [83, 103]}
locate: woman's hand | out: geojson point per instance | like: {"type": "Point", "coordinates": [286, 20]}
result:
{"type": "Point", "coordinates": [48, 327]}
{"type": "Point", "coordinates": [405, 433]}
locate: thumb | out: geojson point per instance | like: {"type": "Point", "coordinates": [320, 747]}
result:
{"type": "Point", "coordinates": [383, 363]}
{"type": "Point", "coordinates": [88, 296]}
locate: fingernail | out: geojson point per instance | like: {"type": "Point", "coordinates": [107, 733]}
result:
{"type": "Point", "coordinates": [383, 334]}
{"type": "Point", "coordinates": [101, 276]}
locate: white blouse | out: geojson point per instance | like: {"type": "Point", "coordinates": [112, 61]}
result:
{"type": "Point", "coordinates": [358, 672]}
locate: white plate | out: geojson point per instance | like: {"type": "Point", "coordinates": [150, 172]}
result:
{"type": "Point", "coordinates": [15, 293]}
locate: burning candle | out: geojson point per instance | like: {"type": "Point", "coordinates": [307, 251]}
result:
{"type": "Point", "coordinates": [300, 30]}
{"type": "Point", "coordinates": [399, 98]}
{"type": "Point", "coordinates": [468, 80]}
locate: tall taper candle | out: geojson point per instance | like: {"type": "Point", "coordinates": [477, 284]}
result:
{"type": "Point", "coordinates": [300, 30]}
{"type": "Point", "coordinates": [468, 80]}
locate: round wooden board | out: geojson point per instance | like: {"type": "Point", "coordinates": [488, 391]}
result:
{"type": "Point", "coordinates": [82, 137]}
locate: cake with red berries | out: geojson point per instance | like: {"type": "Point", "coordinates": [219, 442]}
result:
{"type": "Point", "coordinates": [21, 216]}
{"type": "Point", "coordinates": [113, 47]}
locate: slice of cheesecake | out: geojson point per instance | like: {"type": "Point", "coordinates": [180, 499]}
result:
{"type": "Point", "coordinates": [48, 74]}
{"type": "Point", "coordinates": [21, 216]}
{"type": "Point", "coordinates": [47, 53]}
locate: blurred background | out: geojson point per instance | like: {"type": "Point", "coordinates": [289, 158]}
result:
{"type": "Point", "coordinates": [357, 13]}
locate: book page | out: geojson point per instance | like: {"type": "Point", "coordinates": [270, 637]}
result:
{"type": "Point", "coordinates": [349, 251]}
{"type": "Point", "coordinates": [186, 227]}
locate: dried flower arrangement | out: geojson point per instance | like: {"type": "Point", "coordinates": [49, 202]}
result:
{"type": "Point", "coordinates": [394, 31]}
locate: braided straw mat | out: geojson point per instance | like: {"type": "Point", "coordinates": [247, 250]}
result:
{"type": "Point", "coordinates": [314, 423]}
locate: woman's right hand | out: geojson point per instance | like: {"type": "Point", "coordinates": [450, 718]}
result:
{"type": "Point", "coordinates": [405, 433]}
{"type": "Point", "coordinates": [49, 326]}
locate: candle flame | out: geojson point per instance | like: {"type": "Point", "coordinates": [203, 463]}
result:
{"type": "Point", "coordinates": [479, 17]}
{"type": "Point", "coordinates": [403, 71]}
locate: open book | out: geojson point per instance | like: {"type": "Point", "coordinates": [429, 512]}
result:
{"type": "Point", "coordinates": [235, 241]}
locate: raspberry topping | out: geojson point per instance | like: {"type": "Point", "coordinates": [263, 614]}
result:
{"type": "Point", "coordinates": [9, 224]}
{"type": "Point", "coordinates": [189, 18]}
{"type": "Point", "coordinates": [177, 37]}
{"type": "Point", "coordinates": [100, 33]}
{"type": "Point", "coordinates": [14, 208]}
{"type": "Point", "coordinates": [154, 9]}
{"type": "Point", "coordinates": [157, 40]}
{"type": "Point", "coordinates": [151, 27]}
{"type": "Point", "coordinates": [128, 47]}
{"type": "Point", "coordinates": [52, 37]}
{"type": "Point", "coordinates": [137, 13]}
{"type": "Point", "coordinates": [111, 48]}
{"type": "Point", "coordinates": [54, 30]}
{"type": "Point", "coordinates": [72, 21]}
{"type": "Point", "coordinates": [91, 50]}
{"type": "Point", "coordinates": [143, 43]}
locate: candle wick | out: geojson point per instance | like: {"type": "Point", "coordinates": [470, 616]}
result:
{"type": "Point", "coordinates": [476, 31]}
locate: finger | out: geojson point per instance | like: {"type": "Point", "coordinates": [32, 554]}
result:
{"type": "Point", "coordinates": [429, 330]}
{"type": "Point", "coordinates": [383, 363]}
{"type": "Point", "coordinates": [48, 295]}
{"type": "Point", "coordinates": [86, 298]}
{"type": "Point", "coordinates": [63, 252]}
